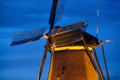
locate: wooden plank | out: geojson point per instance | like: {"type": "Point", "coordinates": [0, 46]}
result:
{"type": "Point", "coordinates": [71, 65]}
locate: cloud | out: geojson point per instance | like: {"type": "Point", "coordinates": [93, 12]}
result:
{"type": "Point", "coordinates": [22, 3]}
{"type": "Point", "coordinates": [15, 13]}
{"type": "Point", "coordinates": [110, 10]}
{"type": "Point", "coordinates": [4, 35]}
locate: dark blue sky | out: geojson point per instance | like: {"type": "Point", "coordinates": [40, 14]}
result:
{"type": "Point", "coordinates": [22, 62]}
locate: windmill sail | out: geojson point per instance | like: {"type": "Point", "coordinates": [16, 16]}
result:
{"type": "Point", "coordinates": [56, 12]}
{"type": "Point", "coordinates": [53, 14]}
{"type": "Point", "coordinates": [78, 25]}
{"type": "Point", "coordinates": [27, 36]}
{"type": "Point", "coordinates": [60, 9]}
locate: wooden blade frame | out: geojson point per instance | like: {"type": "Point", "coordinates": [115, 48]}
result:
{"type": "Point", "coordinates": [23, 37]}
{"type": "Point", "coordinates": [53, 14]}
{"type": "Point", "coordinates": [105, 62]}
{"type": "Point", "coordinates": [43, 60]}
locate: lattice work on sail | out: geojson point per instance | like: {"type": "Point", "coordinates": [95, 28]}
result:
{"type": "Point", "coordinates": [78, 25]}
{"type": "Point", "coordinates": [60, 9]}
{"type": "Point", "coordinates": [27, 36]}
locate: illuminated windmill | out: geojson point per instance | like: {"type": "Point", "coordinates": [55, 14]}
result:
{"type": "Point", "coordinates": [72, 49]}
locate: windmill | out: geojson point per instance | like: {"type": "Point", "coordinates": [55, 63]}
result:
{"type": "Point", "coordinates": [72, 49]}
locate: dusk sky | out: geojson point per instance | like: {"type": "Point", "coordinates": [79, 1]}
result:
{"type": "Point", "coordinates": [22, 62]}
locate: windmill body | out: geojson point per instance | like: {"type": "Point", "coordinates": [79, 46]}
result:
{"type": "Point", "coordinates": [72, 49]}
{"type": "Point", "coordinates": [71, 65]}
{"type": "Point", "coordinates": [69, 58]}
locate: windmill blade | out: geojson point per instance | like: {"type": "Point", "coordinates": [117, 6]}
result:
{"type": "Point", "coordinates": [78, 25]}
{"type": "Point", "coordinates": [56, 12]}
{"type": "Point", "coordinates": [108, 40]}
{"type": "Point", "coordinates": [98, 15]}
{"type": "Point", "coordinates": [105, 62]}
{"type": "Point", "coordinates": [53, 14]}
{"type": "Point", "coordinates": [27, 36]}
{"type": "Point", "coordinates": [105, 41]}
{"type": "Point", "coordinates": [43, 60]}
{"type": "Point", "coordinates": [60, 9]}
